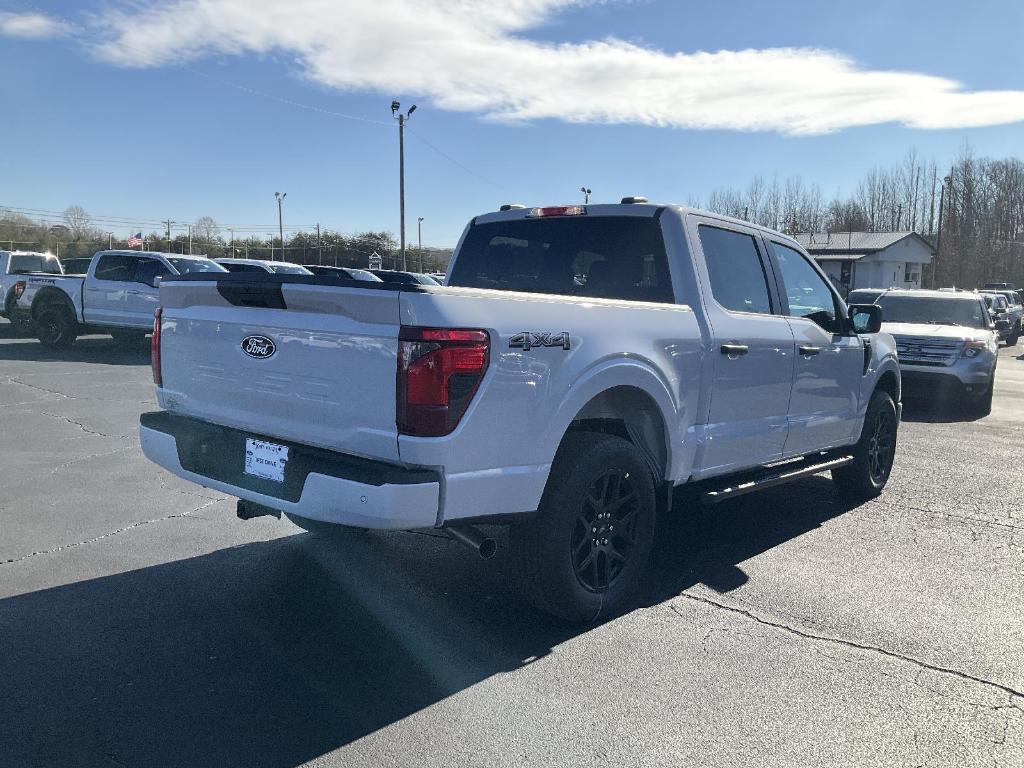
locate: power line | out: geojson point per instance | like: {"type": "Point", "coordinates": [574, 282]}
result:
{"type": "Point", "coordinates": [344, 116]}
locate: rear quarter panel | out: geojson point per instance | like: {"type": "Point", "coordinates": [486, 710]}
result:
{"type": "Point", "coordinates": [528, 399]}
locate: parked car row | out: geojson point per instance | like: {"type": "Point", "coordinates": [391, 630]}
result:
{"type": "Point", "coordinates": [117, 291]}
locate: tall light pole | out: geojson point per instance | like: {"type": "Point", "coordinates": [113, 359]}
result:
{"type": "Point", "coordinates": [419, 239]}
{"type": "Point", "coordinates": [586, 194]}
{"type": "Point", "coordinates": [938, 239]}
{"type": "Point", "coordinates": [396, 112]}
{"type": "Point", "coordinates": [280, 220]}
{"type": "Point", "coordinates": [110, 241]}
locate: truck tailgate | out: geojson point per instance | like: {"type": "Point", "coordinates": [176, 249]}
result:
{"type": "Point", "coordinates": [321, 370]}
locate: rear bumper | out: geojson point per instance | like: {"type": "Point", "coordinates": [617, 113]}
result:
{"type": "Point", "coordinates": [319, 485]}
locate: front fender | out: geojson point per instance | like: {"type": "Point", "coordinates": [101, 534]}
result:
{"type": "Point", "coordinates": [883, 361]}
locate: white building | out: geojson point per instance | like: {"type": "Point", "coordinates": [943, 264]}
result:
{"type": "Point", "coordinates": [869, 259]}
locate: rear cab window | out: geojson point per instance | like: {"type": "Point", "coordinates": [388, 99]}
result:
{"type": "Point", "coordinates": [739, 281]}
{"type": "Point", "coordinates": [116, 267]}
{"type": "Point", "coordinates": [610, 257]}
{"type": "Point", "coordinates": [34, 262]}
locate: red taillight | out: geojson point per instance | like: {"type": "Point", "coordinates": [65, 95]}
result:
{"type": "Point", "coordinates": [154, 348]}
{"type": "Point", "coordinates": [19, 288]}
{"type": "Point", "coordinates": [439, 370]}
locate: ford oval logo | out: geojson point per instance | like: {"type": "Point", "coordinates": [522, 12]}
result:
{"type": "Point", "coordinates": [260, 347]}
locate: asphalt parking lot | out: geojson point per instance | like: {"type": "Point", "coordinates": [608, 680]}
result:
{"type": "Point", "coordinates": [142, 624]}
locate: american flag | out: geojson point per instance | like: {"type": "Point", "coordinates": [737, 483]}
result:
{"type": "Point", "coordinates": [135, 240]}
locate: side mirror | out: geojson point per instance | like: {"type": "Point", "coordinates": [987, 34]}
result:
{"type": "Point", "coordinates": [866, 318]}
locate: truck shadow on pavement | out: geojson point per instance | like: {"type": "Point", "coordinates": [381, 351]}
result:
{"type": "Point", "coordinates": [920, 409]}
{"type": "Point", "coordinates": [88, 349]}
{"type": "Point", "coordinates": [274, 653]}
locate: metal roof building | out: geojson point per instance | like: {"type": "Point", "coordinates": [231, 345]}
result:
{"type": "Point", "coordinates": [869, 259]}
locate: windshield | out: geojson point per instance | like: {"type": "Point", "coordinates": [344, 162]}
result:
{"type": "Point", "coordinates": [289, 269]}
{"type": "Point", "coordinates": [184, 266]}
{"type": "Point", "coordinates": [34, 262]}
{"type": "Point", "coordinates": [932, 310]}
{"type": "Point", "coordinates": [616, 257]}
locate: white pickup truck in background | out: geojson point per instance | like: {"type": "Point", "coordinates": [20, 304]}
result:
{"type": "Point", "coordinates": [579, 363]}
{"type": "Point", "coordinates": [14, 265]}
{"type": "Point", "coordinates": [118, 295]}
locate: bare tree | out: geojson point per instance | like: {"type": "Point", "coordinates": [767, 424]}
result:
{"type": "Point", "coordinates": [205, 230]}
{"type": "Point", "coordinates": [77, 220]}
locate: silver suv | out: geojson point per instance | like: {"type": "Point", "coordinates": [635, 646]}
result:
{"type": "Point", "coordinates": [946, 342]}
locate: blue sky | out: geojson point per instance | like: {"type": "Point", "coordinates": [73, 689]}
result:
{"type": "Point", "coordinates": [148, 110]}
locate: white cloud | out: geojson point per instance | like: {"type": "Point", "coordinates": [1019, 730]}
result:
{"type": "Point", "coordinates": [471, 56]}
{"type": "Point", "coordinates": [31, 25]}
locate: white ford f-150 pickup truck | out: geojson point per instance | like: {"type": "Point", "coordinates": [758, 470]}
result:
{"type": "Point", "coordinates": [118, 295]}
{"type": "Point", "coordinates": [14, 265]}
{"type": "Point", "coordinates": [579, 363]}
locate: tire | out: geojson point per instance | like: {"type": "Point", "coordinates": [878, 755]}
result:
{"type": "Point", "coordinates": [566, 560]}
{"type": "Point", "coordinates": [56, 328]}
{"type": "Point", "coordinates": [873, 454]}
{"type": "Point", "coordinates": [320, 528]}
{"type": "Point", "coordinates": [1011, 341]}
{"type": "Point", "coordinates": [132, 339]}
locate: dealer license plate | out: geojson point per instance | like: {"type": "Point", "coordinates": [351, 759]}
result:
{"type": "Point", "coordinates": [266, 460]}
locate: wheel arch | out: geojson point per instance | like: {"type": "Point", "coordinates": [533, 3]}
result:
{"type": "Point", "coordinates": [48, 297]}
{"type": "Point", "coordinates": [889, 382]}
{"type": "Point", "coordinates": [631, 411]}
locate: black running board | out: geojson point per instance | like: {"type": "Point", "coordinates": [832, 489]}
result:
{"type": "Point", "coordinates": [774, 476]}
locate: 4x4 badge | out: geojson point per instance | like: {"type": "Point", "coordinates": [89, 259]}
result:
{"type": "Point", "coordinates": [527, 340]}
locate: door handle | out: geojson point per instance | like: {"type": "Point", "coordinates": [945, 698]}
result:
{"type": "Point", "coordinates": [808, 350]}
{"type": "Point", "coordinates": [734, 350]}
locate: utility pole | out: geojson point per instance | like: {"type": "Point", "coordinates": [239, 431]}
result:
{"type": "Point", "coordinates": [280, 223]}
{"type": "Point", "coordinates": [189, 239]}
{"type": "Point", "coordinates": [319, 252]}
{"type": "Point", "coordinates": [168, 222]}
{"type": "Point", "coordinates": [938, 239]}
{"type": "Point", "coordinates": [419, 239]}
{"type": "Point", "coordinates": [232, 253]}
{"type": "Point", "coordinates": [396, 113]}
{"type": "Point", "coordinates": [110, 241]}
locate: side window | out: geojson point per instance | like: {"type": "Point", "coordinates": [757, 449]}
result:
{"type": "Point", "coordinates": [115, 267]}
{"type": "Point", "coordinates": [738, 279]}
{"type": "Point", "coordinates": [147, 270]}
{"type": "Point", "coordinates": [808, 293]}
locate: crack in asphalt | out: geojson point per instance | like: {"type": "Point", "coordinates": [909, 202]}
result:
{"type": "Point", "coordinates": [80, 425]}
{"type": "Point", "coordinates": [108, 535]}
{"type": "Point", "coordinates": [63, 395]}
{"type": "Point", "coordinates": [72, 462]}
{"type": "Point", "coordinates": [848, 643]}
